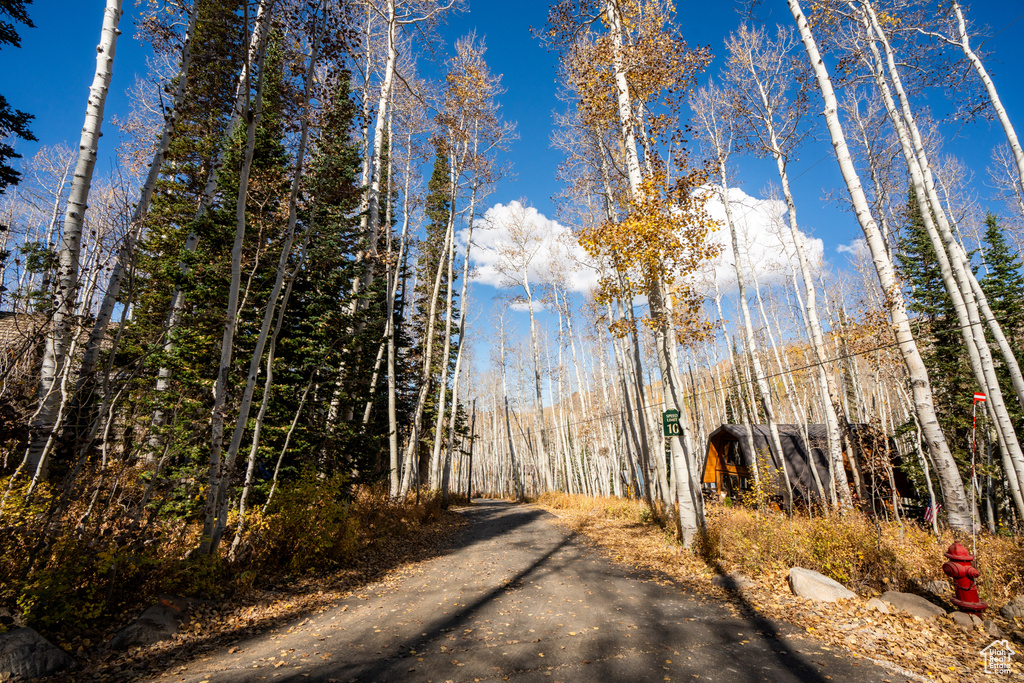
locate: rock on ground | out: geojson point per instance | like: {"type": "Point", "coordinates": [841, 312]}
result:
{"type": "Point", "coordinates": [159, 622]}
{"type": "Point", "coordinates": [806, 583]}
{"type": "Point", "coordinates": [913, 604]}
{"type": "Point", "coordinates": [992, 628]}
{"type": "Point", "coordinates": [1013, 609]}
{"type": "Point", "coordinates": [26, 654]}
{"type": "Point", "coordinates": [963, 621]}
{"type": "Point", "coordinates": [877, 605]}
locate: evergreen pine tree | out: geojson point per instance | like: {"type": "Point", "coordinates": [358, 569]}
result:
{"type": "Point", "coordinates": [205, 282]}
{"type": "Point", "coordinates": [943, 351]}
{"type": "Point", "coordinates": [1004, 283]}
{"type": "Point", "coordinates": [328, 334]}
{"type": "Point", "coordinates": [1004, 288]}
{"type": "Point", "coordinates": [12, 122]}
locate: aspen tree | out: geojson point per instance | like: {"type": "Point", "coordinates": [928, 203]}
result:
{"type": "Point", "coordinates": [952, 486]}
{"type": "Point", "coordinates": [762, 74]}
{"type": "Point", "coordinates": [412, 447]}
{"type": "Point", "coordinates": [968, 300]}
{"type": "Point", "coordinates": [959, 36]}
{"type": "Point", "coordinates": [716, 129]}
{"type": "Point", "coordinates": [638, 61]}
{"type": "Point", "coordinates": [219, 468]}
{"type": "Point", "coordinates": [56, 355]}
{"type": "Point", "coordinates": [272, 304]}
{"type": "Point", "coordinates": [448, 259]}
{"type": "Point", "coordinates": [126, 252]}
{"type": "Point", "coordinates": [517, 254]}
{"type": "Point", "coordinates": [516, 481]}
{"type": "Point", "coordinates": [396, 14]}
{"type": "Point", "coordinates": [393, 281]}
{"type": "Point", "coordinates": [472, 117]}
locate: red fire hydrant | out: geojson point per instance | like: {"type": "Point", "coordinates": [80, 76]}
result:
{"type": "Point", "coordinates": [963, 573]}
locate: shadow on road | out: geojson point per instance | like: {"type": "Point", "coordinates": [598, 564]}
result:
{"type": "Point", "coordinates": [643, 625]}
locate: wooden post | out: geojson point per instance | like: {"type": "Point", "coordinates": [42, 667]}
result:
{"type": "Point", "coordinates": [472, 440]}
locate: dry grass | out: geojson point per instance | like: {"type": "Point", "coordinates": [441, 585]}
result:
{"type": "Point", "coordinates": [855, 550]}
{"type": "Point", "coordinates": [866, 557]}
{"type": "Point", "coordinates": [73, 581]}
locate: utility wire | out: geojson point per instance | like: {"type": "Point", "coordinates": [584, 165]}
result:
{"type": "Point", "coordinates": [738, 385]}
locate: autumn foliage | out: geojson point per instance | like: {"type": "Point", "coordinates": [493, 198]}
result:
{"type": "Point", "coordinates": [661, 239]}
{"type": "Point", "coordinates": [60, 576]}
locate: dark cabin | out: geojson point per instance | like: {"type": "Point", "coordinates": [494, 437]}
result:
{"type": "Point", "coordinates": [728, 462]}
{"type": "Point", "coordinates": [728, 459]}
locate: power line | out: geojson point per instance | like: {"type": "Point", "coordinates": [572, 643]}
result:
{"type": "Point", "coordinates": [736, 385]}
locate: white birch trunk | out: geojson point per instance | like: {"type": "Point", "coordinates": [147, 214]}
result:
{"type": "Point", "coordinates": [949, 477]}
{"type": "Point", "coordinates": [739, 256]}
{"type": "Point", "coordinates": [810, 308]}
{"type": "Point", "coordinates": [538, 400]}
{"type": "Point", "coordinates": [462, 327]}
{"type": "Point", "coordinates": [218, 471]}
{"type": "Point", "coordinates": [412, 450]}
{"type": "Point", "coordinates": [755, 469]}
{"type": "Point", "coordinates": [55, 354]}
{"type": "Point", "coordinates": [126, 253]}
{"type": "Point", "coordinates": [993, 95]}
{"type": "Point", "coordinates": [956, 272]}
{"type": "Point", "coordinates": [242, 94]}
{"type": "Point", "coordinates": [394, 277]}
{"type": "Point", "coordinates": [442, 386]}
{"type": "Point", "coordinates": [272, 303]}
{"type": "Point", "coordinates": [373, 199]}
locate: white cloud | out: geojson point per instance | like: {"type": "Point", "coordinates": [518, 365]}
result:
{"type": "Point", "coordinates": [856, 250]}
{"type": "Point", "coordinates": [762, 225]}
{"type": "Point", "coordinates": [508, 228]}
{"type": "Point", "coordinates": [764, 230]}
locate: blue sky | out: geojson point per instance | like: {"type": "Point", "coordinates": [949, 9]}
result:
{"type": "Point", "coordinates": [49, 77]}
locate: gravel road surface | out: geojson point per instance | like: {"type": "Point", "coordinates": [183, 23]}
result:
{"type": "Point", "coordinates": [520, 598]}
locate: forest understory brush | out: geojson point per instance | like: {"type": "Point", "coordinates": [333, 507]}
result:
{"type": "Point", "coordinates": [77, 571]}
{"type": "Point", "coordinates": [865, 554]}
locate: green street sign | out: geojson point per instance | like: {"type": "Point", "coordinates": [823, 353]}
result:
{"type": "Point", "coordinates": [670, 422]}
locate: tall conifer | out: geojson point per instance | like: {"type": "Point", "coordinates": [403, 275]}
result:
{"type": "Point", "coordinates": [942, 345]}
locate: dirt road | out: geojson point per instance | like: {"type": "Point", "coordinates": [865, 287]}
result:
{"type": "Point", "coordinates": [519, 598]}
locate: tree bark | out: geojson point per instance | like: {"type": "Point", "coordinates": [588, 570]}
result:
{"type": "Point", "coordinates": [949, 477]}
{"type": "Point", "coordinates": [127, 251]}
{"type": "Point", "coordinates": [55, 354]}
{"type": "Point", "coordinates": [956, 272]}
{"type": "Point", "coordinates": [219, 469]}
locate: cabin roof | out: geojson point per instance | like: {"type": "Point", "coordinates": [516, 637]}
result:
{"type": "Point", "coordinates": [794, 449]}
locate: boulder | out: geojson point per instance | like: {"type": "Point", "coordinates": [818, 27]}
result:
{"type": "Point", "coordinates": [159, 622]}
{"type": "Point", "coordinates": [992, 628]}
{"type": "Point", "coordinates": [915, 605]}
{"type": "Point", "coordinates": [806, 583]}
{"type": "Point", "coordinates": [26, 654]}
{"type": "Point", "coordinates": [939, 588]}
{"type": "Point", "coordinates": [732, 582]}
{"type": "Point", "coordinates": [877, 605]}
{"type": "Point", "coordinates": [1013, 609]}
{"type": "Point", "coordinates": [963, 621]}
